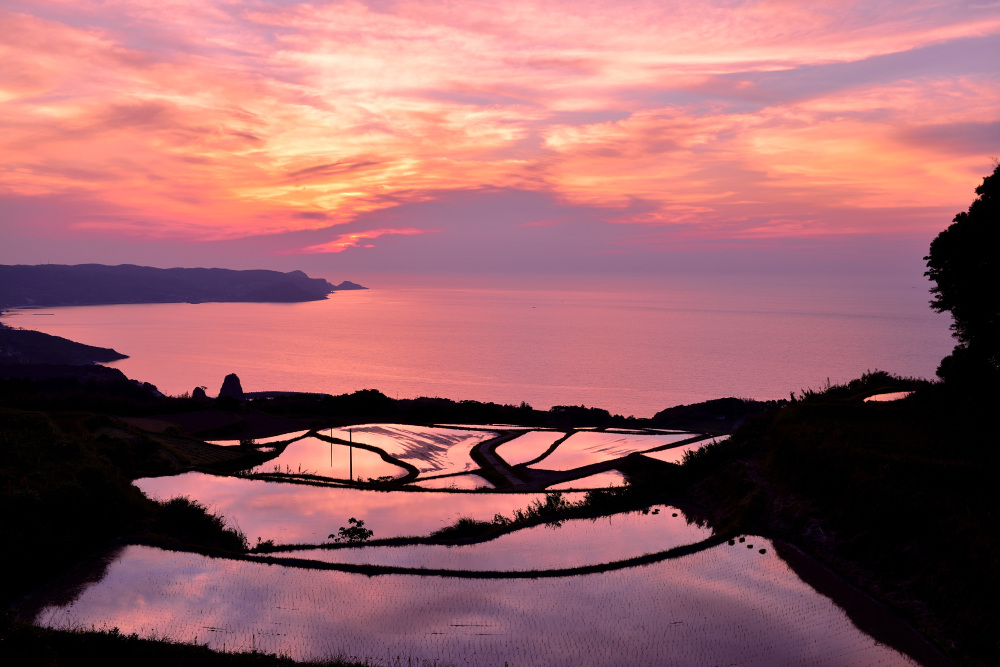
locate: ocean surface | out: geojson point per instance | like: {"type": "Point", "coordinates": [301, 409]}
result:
{"type": "Point", "coordinates": [630, 346]}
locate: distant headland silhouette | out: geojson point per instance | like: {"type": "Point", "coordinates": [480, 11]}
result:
{"type": "Point", "coordinates": [50, 285]}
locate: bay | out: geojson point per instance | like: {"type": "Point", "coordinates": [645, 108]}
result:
{"type": "Point", "coordinates": [632, 346]}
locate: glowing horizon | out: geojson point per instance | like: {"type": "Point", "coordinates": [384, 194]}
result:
{"type": "Point", "coordinates": [215, 121]}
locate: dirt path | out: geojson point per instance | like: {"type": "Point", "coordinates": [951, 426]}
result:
{"type": "Point", "coordinates": [495, 469]}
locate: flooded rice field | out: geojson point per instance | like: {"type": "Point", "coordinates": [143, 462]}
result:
{"type": "Point", "coordinates": [573, 543]}
{"type": "Point", "coordinates": [643, 587]}
{"type": "Point", "coordinates": [285, 437]}
{"type": "Point", "coordinates": [601, 480]}
{"type": "Point", "coordinates": [582, 449]}
{"type": "Point", "coordinates": [319, 457]}
{"type": "Point", "coordinates": [299, 513]}
{"type": "Point", "coordinates": [676, 454]}
{"type": "Point", "coordinates": [430, 449]}
{"type": "Point", "coordinates": [528, 447]}
{"type": "Point", "coordinates": [468, 482]}
{"type": "Point", "coordinates": [723, 605]}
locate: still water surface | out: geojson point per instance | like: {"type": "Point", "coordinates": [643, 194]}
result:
{"type": "Point", "coordinates": [724, 605]}
{"type": "Point", "coordinates": [288, 513]}
{"type": "Point", "coordinates": [632, 348]}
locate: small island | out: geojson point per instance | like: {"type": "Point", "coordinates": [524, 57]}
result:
{"type": "Point", "coordinates": [51, 285]}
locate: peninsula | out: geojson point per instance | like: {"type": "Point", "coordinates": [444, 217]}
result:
{"type": "Point", "coordinates": [52, 285]}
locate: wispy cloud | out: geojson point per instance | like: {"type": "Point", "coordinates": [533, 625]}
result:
{"type": "Point", "coordinates": [356, 240]}
{"type": "Point", "coordinates": [220, 120]}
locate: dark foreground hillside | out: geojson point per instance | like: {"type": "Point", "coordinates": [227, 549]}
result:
{"type": "Point", "coordinates": [899, 497]}
{"type": "Point", "coordinates": [22, 346]}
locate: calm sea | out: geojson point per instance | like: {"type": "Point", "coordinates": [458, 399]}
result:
{"type": "Point", "coordinates": [632, 347]}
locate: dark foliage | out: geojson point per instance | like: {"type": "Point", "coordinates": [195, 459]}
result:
{"type": "Point", "coordinates": [22, 346]}
{"type": "Point", "coordinates": [900, 497]}
{"type": "Point", "coordinates": [964, 263]}
{"type": "Point", "coordinates": [66, 493]}
{"type": "Point", "coordinates": [191, 522]}
{"type": "Point", "coordinates": [354, 532]}
{"type": "Point", "coordinates": [719, 415]}
{"type": "Point", "coordinates": [83, 388]}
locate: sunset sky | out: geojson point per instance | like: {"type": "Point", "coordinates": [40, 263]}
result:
{"type": "Point", "coordinates": [505, 137]}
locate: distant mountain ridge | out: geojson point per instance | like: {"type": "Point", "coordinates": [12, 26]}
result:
{"type": "Point", "coordinates": [99, 284]}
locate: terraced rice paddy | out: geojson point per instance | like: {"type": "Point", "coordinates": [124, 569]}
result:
{"type": "Point", "coordinates": [318, 457]}
{"type": "Point", "coordinates": [582, 449]}
{"type": "Point", "coordinates": [296, 513]}
{"type": "Point", "coordinates": [284, 437]}
{"type": "Point", "coordinates": [489, 427]}
{"type": "Point", "coordinates": [431, 450]}
{"type": "Point", "coordinates": [723, 605]}
{"type": "Point", "coordinates": [514, 600]}
{"type": "Point", "coordinates": [527, 447]}
{"type": "Point", "coordinates": [468, 482]}
{"type": "Point", "coordinates": [580, 542]}
{"type": "Point", "coordinates": [676, 454]}
{"type": "Point", "coordinates": [601, 480]}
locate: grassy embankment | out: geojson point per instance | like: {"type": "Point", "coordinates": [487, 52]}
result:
{"type": "Point", "coordinates": [899, 498]}
{"type": "Point", "coordinates": [66, 493]}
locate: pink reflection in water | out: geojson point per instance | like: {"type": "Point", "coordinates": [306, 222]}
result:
{"type": "Point", "coordinates": [574, 543]}
{"type": "Point", "coordinates": [430, 449]}
{"type": "Point", "coordinates": [632, 347]}
{"type": "Point", "coordinates": [676, 454]}
{"type": "Point", "coordinates": [601, 480]}
{"type": "Point", "coordinates": [293, 513]}
{"type": "Point", "coordinates": [894, 396]}
{"type": "Point", "coordinates": [725, 605]}
{"type": "Point", "coordinates": [318, 457]}
{"type": "Point", "coordinates": [527, 447]}
{"type": "Point", "coordinates": [468, 482]}
{"type": "Point", "coordinates": [284, 437]}
{"type": "Point", "coordinates": [584, 448]}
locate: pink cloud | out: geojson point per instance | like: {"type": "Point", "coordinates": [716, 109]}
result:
{"type": "Point", "coordinates": [214, 120]}
{"type": "Point", "coordinates": [357, 240]}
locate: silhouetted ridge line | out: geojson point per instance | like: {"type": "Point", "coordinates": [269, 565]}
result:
{"type": "Point", "coordinates": [99, 284]}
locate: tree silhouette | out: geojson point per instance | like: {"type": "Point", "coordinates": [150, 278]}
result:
{"type": "Point", "coordinates": [964, 262]}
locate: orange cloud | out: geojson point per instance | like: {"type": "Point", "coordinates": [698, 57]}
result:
{"type": "Point", "coordinates": [213, 120]}
{"type": "Point", "coordinates": [356, 240]}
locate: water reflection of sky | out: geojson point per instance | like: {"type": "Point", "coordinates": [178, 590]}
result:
{"type": "Point", "coordinates": [430, 449]}
{"type": "Point", "coordinates": [601, 480]}
{"type": "Point", "coordinates": [290, 513]}
{"type": "Point", "coordinates": [575, 543]}
{"type": "Point", "coordinates": [318, 457]}
{"type": "Point", "coordinates": [725, 605]}
{"type": "Point", "coordinates": [468, 482]}
{"type": "Point", "coordinates": [528, 446]}
{"type": "Point", "coordinates": [284, 437]}
{"type": "Point", "coordinates": [582, 449]}
{"type": "Point", "coordinates": [676, 454]}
